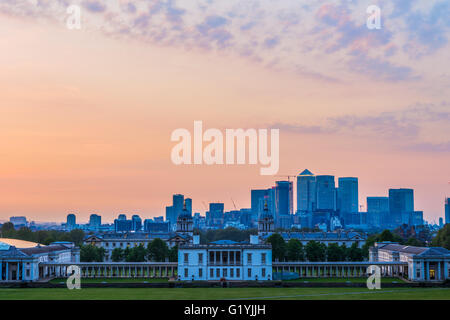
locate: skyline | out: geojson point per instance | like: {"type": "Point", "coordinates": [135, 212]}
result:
{"type": "Point", "coordinates": [87, 114]}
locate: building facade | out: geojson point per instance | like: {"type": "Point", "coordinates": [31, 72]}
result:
{"type": "Point", "coordinates": [29, 264]}
{"type": "Point", "coordinates": [424, 264]}
{"type": "Point", "coordinates": [225, 260]}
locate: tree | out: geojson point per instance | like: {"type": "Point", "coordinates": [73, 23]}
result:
{"type": "Point", "coordinates": [157, 250]}
{"type": "Point", "coordinates": [25, 233]}
{"type": "Point", "coordinates": [90, 253]}
{"type": "Point", "coordinates": [136, 254]}
{"type": "Point", "coordinates": [117, 255]}
{"type": "Point", "coordinates": [173, 254]}
{"type": "Point", "coordinates": [315, 251]}
{"type": "Point", "coordinates": [442, 238]}
{"type": "Point", "coordinates": [335, 252]}
{"type": "Point", "coordinates": [355, 253]}
{"type": "Point", "coordinates": [295, 250]}
{"type": "Point", "coordinates": [77, 236]}
{"type": "Point", "coordinates": [278, 246]}
{"type": "Point", "coordinates": [386, 235]}
{"type": "Point", "coordinates": [8, 230]}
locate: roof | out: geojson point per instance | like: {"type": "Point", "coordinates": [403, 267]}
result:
{"type": "Point", "coordinates": [420, 251]}
{"type": "Point", "coordinates": [18, 243]}
{"type": "Point", "coordinates": [306, 172]}
{"type": "Point", "coordinates": [44, 249]}
{"type": "Point", "coordinates": [224, 242]}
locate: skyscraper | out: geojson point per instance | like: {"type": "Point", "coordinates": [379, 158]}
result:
{"type": "Point", "coordinates": [306, 192]}
{"type": "Point", "coordinates": [71, 221]}
{"type": "Point", "coordinates": [95, 220]}
{"type": "Point", "coordinates": [257, 202]}
{"type": "Point", "coordinates": [348, 195]}
{"type": "Point", "coordinates": [283, 204]}
{"type": "Point", "coordinates": [173, 211]}
{"type": "Point", "coordinates": [136, 222]}
{"type": "Point", "coordinates": [401, 204]}
{"type": "Point", "coordinates": [447, 210]}
{"type": "Point", "coordinates": [188, 202]}
{"type": "Point", "coordinates": [377, 204]}
{"type": "Point", "coordinates": [326, 193]}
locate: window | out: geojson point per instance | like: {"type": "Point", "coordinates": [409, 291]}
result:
{"type": "Point", "coordinates": [263, 272]}
{"type": "Point", "coordinates": [211, 257]}
{"type": "Point", "coordinates": [218, 273]}
{"type": "Point", "coordinates": [225, 272]}
{"type": "Point", "coordinates": [28, 272]}
{"type": "Point", "coordinates": [211, 273]}
{"type": "Point", "coordinates": [263, 258]}
{"type": "Point", "coordinates": [249, 258]}
{"type": "Point", "coordinates": [238, 273]}
{"type": "Point", "coordinates": [200, 258]}
{"type": "Point", "coordinates": [185, 272]}
{"type": "Point", "coordinates": [249, 272]}
{"type": "Point", "coordinates": [200, 272]}
{"type": "Point", "coordinates": [238, 257]}
{"type": "Point", "coordinates": [186, 258]}
{"type": "Point", "coordinates": [231, 273]}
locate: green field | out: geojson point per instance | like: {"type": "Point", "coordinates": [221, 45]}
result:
{"type": "Point", "coordinates": [224, 293]}
{"type": "Point", "coordinates": [165, 280]}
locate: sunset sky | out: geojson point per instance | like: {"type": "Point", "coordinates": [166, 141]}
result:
{"type": "Point", "coordinates": [86, 115]}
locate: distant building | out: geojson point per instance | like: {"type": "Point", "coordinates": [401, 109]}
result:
{"type": "Point", "coordinates": [136, 223]}
{"type": "Point", "coordinates": [306, 192]}
{"type": "Point", "coordinates": [283, 204]}
{"type": "Point", "coordinates": [326, 192]}
{"type": "Point", "coordinates": [348, 195]}
{"type": "Point", "coordinates": [152, 226]}
{"type": "Point", "coordinates": [447, 210]}
{"type": "Point", "coordinates": [441, 222]}
{"type": "Point", "coordinates": [123, 225]}
{"type": "Point", "coordinates": [225, 259]}
{"type": "Point", "coordinates": [257, 202]}
{"type": "Point", "coordinates": [71, 221]}
{"type": "Point", "coordinates": [18, 221]}
{"type": "Point", "coordinates": [95, 221]}
{"type": "Point", "coordinates": [401, 203]}
{"type": "Point", "coordinates": [215, 215]}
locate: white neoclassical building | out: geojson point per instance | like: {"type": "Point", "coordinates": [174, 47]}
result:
{"type": "Point", "coordinates": [225, 259]}
{"type": "Point", "coordinates": [425, 264]}
{"type": "Point", "coordinates": [32, 263]}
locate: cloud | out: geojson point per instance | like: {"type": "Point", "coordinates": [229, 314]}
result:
{"type": "Point", "coordinates": [404, 128]}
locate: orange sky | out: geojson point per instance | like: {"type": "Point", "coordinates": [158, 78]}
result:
{"type": "Point", "coordinates": [85, 121]}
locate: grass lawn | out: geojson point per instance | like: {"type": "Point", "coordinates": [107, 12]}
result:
{"type": "Point", "coordinates": [344, 280]}
{"type": "Point", "coordinates": [224, 293]}
{"type": "Point", "coordinates": [114, 280]}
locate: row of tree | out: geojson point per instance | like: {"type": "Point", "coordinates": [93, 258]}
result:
{"type": "Point", "coordinates": [157, 250]}
{"type": "Point", "coordinates": [41, 236]}
{"type": "Point", "coordinates": [294, 250]}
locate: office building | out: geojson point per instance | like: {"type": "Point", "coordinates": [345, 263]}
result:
{"type": "Point", "coordinates": [447, 210]}
{"type": "Point", "coordinates": [71, 221]}
{"type": "Point", "coordinates": [326, 193]}
{"type": "Point", "coordinates": [136, 223]}
{"type": "Point", "coordinates": [95, 221]}
{"type": "Point", "coordinates": [401, 202]}
{"type": "Point", "coordinates": [348, 195]}
{"type": "Point", "coordinates": [283, 200]}
{"type": "Point", "coordinates": [306, 192]}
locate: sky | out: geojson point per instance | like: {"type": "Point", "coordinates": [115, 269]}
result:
{"type": "Point", "coordinates": [86, 115]}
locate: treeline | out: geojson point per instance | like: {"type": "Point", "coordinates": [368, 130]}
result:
{"type": "Point", "coordinates": [156, 251]}
{"type": "Point", "coordinates": [44, 237]}
{"type": "Point", "coordinates": [442, 238]}
{"type": "Point", "coordinates": [294, 250]}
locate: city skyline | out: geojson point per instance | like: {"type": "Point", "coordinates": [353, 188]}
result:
{"type": "Point", "coordinates": [87, 114]}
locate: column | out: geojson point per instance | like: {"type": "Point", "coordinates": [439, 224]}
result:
{"type": "Point", "coordinates": [1, 271]}
{"type": "Point", "coordinates": [439, 271]}
{"type": "Point", "coordinates": [428, 270]}
{"type": "Point", "coordinates": [23, 271]}
{"type": "Point", "coordinates": [7, 271]}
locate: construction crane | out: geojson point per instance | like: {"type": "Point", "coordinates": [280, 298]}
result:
{"type": "Point", "coordinates": [286, 175]}
{"type": "Point", "coordinates": [234, 204]}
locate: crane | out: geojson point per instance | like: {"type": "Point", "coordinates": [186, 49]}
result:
{"type": "Point", "coordinates": [234, 204]}
{"type": "Point", "coordinates": [286, 175]}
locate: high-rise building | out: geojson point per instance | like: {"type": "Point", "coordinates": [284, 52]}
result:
{"type": "Point", "coordinates": [188, 202]}
{"type": "Point", "coordinates": [447, 210]}
{"type": "Point", "coordinates": [18, 221]}
{"type": "Point", "coordinates": [326, 193]}
{"type": "Point", "coordinates": [95, 220]}
{"type": "Point", "coordinates": [71, 221]}
{"type": "Point", "coordinates": [215, 215]}
{"type": "Point", "coordinates": [306, 192]}
{"type": "Point", "coordinates": [283, 204]}
{"type": "Point", "coordinates": [348, 195]}
{"type": "Point", "coordinates": [401, 202]}
{"type": "Point", "coordinates": [136, 222]}
{"type": "Point", "coordinates": [173, 211]}
{"type": "Point", "coordinates": [377, 204]}
{"type": "Point", "coordinates": [257, 202]}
